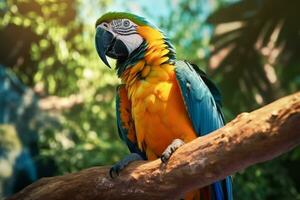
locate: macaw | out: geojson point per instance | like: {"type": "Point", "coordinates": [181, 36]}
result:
{"type": "Point", "coordinates": [161, 102]}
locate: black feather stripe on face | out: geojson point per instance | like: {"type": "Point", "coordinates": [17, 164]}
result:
{"type": "Point", "coordinates": [119, 28]}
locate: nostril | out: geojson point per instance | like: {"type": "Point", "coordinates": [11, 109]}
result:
{"type": "Point", "coordinates": [105, 25]}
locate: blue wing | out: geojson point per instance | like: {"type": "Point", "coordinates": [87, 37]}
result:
{"type": "Point", "coordinates": [125, 123]}
{"type": "Point", "coordinates": [203, 102]}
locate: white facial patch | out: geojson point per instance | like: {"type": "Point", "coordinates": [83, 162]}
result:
{"type": "Point", "coordinates": [132, 42]}
{"type": "Point", "coordinates": [125, 30]}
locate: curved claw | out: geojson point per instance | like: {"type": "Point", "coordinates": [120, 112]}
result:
{"type": "Point", "coordinates": [171, 149]}
{"type": "Point", "coordinates": [164, 158]}
{"type": "Point", "coordinates": [117, 168]}
{"type": "Point", "coordinates": [114, 170]}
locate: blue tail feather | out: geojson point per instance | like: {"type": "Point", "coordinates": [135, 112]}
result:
{"type": "Point", "coordinates": [218, 191]}
{"type": "Point", "coordinates": [222, 190]}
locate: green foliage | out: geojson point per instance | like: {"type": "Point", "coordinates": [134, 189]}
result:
{"type": "Point", "coordinates": [53, 52]}
{"type": "Point", "coordinates": [184, 24]}
{"type": "Point", "coordinates": [10, 146]}
{"type": "Point", "coordinates": [256, 44]}
{"type": "Point", "coordinates": [265, 181]}
{"type": "Point", "coordinates": [51, 48]}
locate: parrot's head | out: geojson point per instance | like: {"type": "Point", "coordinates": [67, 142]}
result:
{"type": "Point", "coordinates": [126, 38]}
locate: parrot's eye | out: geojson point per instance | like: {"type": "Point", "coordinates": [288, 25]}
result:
{"type": "Point", "coordinates": [105, 25]}
{"type": "Point", "coordinates": [126, 23]}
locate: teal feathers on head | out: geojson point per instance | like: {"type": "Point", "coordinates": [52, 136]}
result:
{"type": "Point", "coordinates": [141, 21]}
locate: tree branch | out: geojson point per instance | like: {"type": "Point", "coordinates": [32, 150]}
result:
{"type": "Point", "coordinates": [249, 139]}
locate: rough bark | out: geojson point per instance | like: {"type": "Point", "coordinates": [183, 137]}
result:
{"type": "Point", "coordinates": [249, 139]}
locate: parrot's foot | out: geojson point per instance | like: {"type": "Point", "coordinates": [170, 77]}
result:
{"type": "Point", "coordinates": [116, 168]}
{"type": "Point", "coordinates": [171, 149]}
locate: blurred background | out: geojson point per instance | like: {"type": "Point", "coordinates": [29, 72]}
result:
{"type": "Point", "coordinates": [57, 110]}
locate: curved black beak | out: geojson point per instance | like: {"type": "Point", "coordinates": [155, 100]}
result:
{"type": "Point", "coordinates": [108, 44]}
{"type": "Point", "coordinates": [103, 41]}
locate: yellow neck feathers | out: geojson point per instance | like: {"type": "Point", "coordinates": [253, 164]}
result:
{"type": "Point", "coordinates": [156, 56]}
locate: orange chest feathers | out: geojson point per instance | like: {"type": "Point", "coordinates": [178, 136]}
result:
{"type": "Point", "coordinates": [158, 111]}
